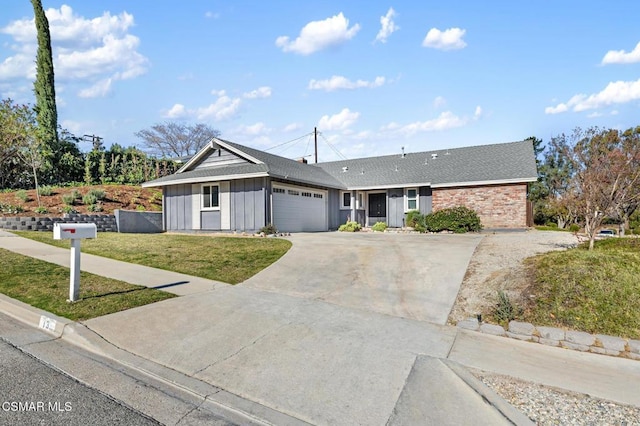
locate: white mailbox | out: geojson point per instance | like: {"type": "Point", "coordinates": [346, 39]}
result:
{"type": "Point", "coordinates": [74, 232]}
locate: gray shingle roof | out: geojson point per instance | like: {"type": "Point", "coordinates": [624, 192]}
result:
{"type": "Point", "coordinates": [506, 162]}
{"type": "Point", "coordinates": [513, 161]}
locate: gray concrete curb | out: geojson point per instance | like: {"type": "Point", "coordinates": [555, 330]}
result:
{"type": "Point", "coordinates": [241, 409]}
{"type": "Point", "coordinates": [507, 410]}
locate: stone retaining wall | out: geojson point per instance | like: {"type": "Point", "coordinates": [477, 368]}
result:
{"type": "Point", "coordinates": [576, 340]}
{"type": "Point", "coordinates": [104, 222]}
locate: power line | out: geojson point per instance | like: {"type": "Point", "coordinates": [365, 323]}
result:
{"type": "Point", "coordinates": [332, 147]}
{"type": "Point", "coordinates": [288, 142]}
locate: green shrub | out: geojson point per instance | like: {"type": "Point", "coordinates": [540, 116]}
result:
{"type": "Point", "coordinates": [551, 224]}
{"type": "Point", "coordinates": [269, 229]}
{"type": "Point", "coordinates": [41, 210]}
{"type": "Point", "coordinates": [505, 310]}
{"type": "Point", "coordinates": [457, 219]}
{"type": "Point", "coordinates": [89, 199]}
{"type": "Point", "coordinates": [10, 209]}
{"type": "Point", "coordinates": [76, 194]}
{"type": "Point", "coordinates": [22, 195]}
{"type": "Point", "coordinates": [140, 208]}
{"type": "Point", "coordinates": [68, 209]}
{"type": "Point", "coordinates": [97, 207]}
{"type": "Point", "coordinates": [69, 199]}
{"type": "Point", "coordinates": [414, 218]}
{"type": "Point", "coordinates": [350, 226]}
{"type": "Point", "coordinates": [379, 227]}
{"type": "Point", "coordinates": [45, 190]}
{"type": "Point", "coordinates": [574, 227]}
{"type": "Point", "coordinates": [98, 193]}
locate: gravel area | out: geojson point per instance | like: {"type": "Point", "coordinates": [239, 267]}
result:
{"type": "Point", "coordinates": [497, 265]}
{"type": "Point", "coordinates": [550, 406]}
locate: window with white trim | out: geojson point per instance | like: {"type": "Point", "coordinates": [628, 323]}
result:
{"type": "Point", "coordinates": [278, 190]}
{"type": "Point", "coordinates": [411, 199]}
{"type": "Point", "coordinates": [211, 197]}
{"type": "Point", "coordinates": [345, 200]}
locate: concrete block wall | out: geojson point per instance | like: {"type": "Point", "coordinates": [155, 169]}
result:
{"type": "Point", "coordinates": [569, 339]}
{"type": "Point", "coordinates": [498, 206]}
{"type": "Point", "coordinates": [104, 222]}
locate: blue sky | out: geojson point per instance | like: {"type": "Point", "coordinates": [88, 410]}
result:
{"type": "Point", "coordinates": [372, 76]}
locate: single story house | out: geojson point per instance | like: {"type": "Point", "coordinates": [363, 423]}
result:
{"type": "Point", "coordinates": [231, 187]}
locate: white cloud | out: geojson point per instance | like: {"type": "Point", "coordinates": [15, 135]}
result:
{"type": "Point", "coordinates": [224, 108]}
{"type": "Point", "coordinates": [178, 111]}
{"type": "Point", "coordinates": [318, 35]}
{"type": "Point", "coordinates": [622, 57]}
{"type": "Point", "coordinates": [439, 102]}
{"type": "Point", "coordinates": [98, 90]}
{"type": "Point", "coordinates": [387, 26]}
{"type": "Point", "coordinates": [477, 113]}
{"type": "Point", "coordinates": [261, 92]}
{"type": "Point", "coordinates": [292, 127]}
{"type": "Point", "coordinates": [257, 129]}
{"type": "Point", "coordinates": [618, 92]}
{"type": "Point", "coordinates": [450, 39]}
{"type": "Point", "coordinates": [340, 121]}
{"type": "Point", "coordinates": [211, 15]}
{"type": "Point", "coordinates": [445, 121]}
{"type": "Point", "coordinates": [337, 82]}
{"type": "Point", "coordinates": [89, 51]}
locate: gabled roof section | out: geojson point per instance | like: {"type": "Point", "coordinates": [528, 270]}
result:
{"type": "Point", "coordinates": [475, 165]}
{"type": "Point", "coordinates": [210, 149]}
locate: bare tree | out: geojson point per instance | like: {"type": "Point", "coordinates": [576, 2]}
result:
{"type": "Point", "coordinates": [169, 140]}
{"type": "Point", "coordinates": [605, 175]}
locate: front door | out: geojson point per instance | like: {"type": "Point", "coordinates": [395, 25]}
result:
{"type": "Point", "coordinates": [378, 205]}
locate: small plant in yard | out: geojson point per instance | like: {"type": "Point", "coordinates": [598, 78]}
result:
{"type": "Point", "coordinates": [10, 209]}
{"type": "Point", "coordinates": [505, 310]}
{"type": "Point", "coordinates": [269, 229]}
{"type": "Point", "coordinates": [68, 210]}
{"type": "Point", "coordinates": [379, 227]}
{"type": "Point", "coordinates": [350, 226]}
{"type": "Point", "coordinates": [45, 190]}
{"type": "Point", "coordinates": [414, 218]}
{"type": "Point", "coordinates": [22, 195]}
{"type": "Point", "coordinates": [99, 194]}
{"type": "Point", "coordinates": [69, 199]}
{"type": "Point", "coordinates": [140, 208]}
{"type": "Point", "coordinates": [457, 219]}
{"type": "Point", "coordinates": [89, 199]}
{"type": "Point", "coordinates": [97, 207]}
{"type": "Point", "coordinates": [41, 210]}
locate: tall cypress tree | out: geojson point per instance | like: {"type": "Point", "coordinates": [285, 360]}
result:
{"type": "Point", "coordinates": [44, 86]}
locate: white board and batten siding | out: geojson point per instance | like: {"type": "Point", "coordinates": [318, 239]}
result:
{"type": "Point", "coordinates": [299, 209]}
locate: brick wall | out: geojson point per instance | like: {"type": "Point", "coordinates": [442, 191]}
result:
{"type": "Point", "coordinates": [499, 206]}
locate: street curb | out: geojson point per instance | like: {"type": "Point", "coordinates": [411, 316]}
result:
{"type": "Point", "coordinates": [507, 410]}
{"type": "Point", "coordinates": [239, 409]}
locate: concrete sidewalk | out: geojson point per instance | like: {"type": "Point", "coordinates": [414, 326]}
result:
{"type": "Point", "coordinates": [321, 363]}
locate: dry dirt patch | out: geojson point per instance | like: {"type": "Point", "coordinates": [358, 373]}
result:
{"type": "Point", "coordinates": [497, 264]}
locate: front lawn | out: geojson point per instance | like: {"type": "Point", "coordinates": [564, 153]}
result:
{"type": "Point", "coordinates": [594, 291]}
{"type": "Point", "coordinates": [46, 286]}
{"type": "Point", "coordinates": [228, 259]}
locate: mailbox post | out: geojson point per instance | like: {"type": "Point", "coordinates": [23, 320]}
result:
{"type": "Point", "coordinates": [74, 232]}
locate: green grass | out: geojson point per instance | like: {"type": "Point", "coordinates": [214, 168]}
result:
{"type": "Point", "coordinates": [46, 286]}
{"type": "Point", "coordinates": [594, 291]}
{"type": "Point", "coordinates": [227, 259]}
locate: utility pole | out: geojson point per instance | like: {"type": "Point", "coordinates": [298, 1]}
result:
{"type": "Point", "coordinates": [315, 137]}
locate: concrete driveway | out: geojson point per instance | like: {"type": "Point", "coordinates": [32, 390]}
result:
{"type": "Point", "coordinates": [406, 275]}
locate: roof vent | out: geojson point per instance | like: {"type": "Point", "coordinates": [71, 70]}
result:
{"type": "Point", "coordinates": [434, 155]}
{"type": "Point", "coordinates": [403, 154]}
{"type": "Point", "coordinates": [362, 171]}
{"type": "Point", "coordinates": [396, 167]}
{"type": "Point", "coordinates": [345, 169]}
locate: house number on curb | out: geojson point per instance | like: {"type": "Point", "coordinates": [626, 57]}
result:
{"type": "Point", "coordinates": [47, 323]}
{"type": "Point", "coordinates": [74, 232]}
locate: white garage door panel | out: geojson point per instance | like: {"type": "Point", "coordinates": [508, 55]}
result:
{"type": "Point", "coordinates": [295, 212]}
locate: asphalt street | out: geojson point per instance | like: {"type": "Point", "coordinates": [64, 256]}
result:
{"type": "Point", "coordinates": [32, 393]}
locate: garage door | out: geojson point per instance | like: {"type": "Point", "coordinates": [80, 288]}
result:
{"type": "Point", "coordinates": [299, 209]}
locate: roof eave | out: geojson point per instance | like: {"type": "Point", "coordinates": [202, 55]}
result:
{"type": "Point", "coordinates": [202, 179]}
{"type": "Point", "coordinates": [485, 182]}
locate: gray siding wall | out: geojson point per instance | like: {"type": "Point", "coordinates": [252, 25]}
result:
{"type": "Point", "coordinates": [249, 204]}
{"type": "Point", "coordinates": [210, 220]}
{"type": "Point", "coordinates": [219, 158]}
{"type": "Point", "coordinates": [336, 216]}
{"type": "Point", "coordinates": [395, 211]}
{"type": "Point", "coordinates": [177, 207]}
{"type": "Point", "coordinates": [425, 200]}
